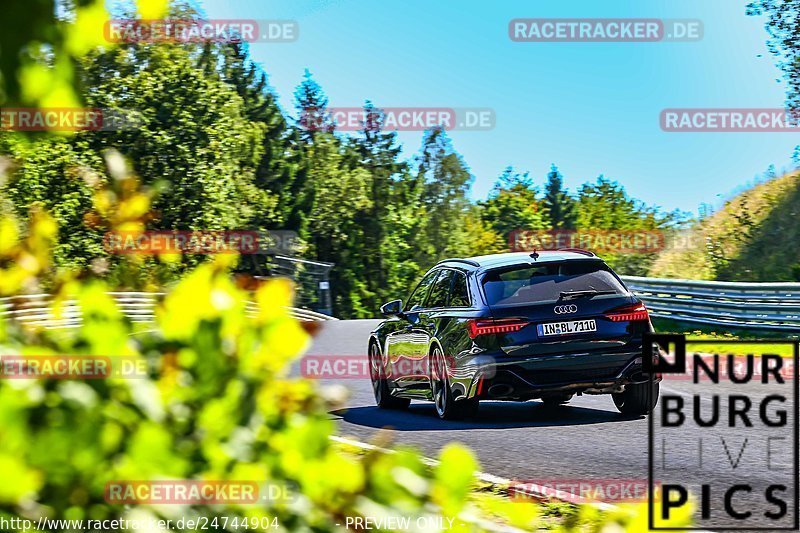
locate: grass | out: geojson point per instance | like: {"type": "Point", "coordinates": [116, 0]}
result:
{"type": "Point", "coordinates": [491, 502]}
{"type": "Point", "coordinates": [665, 325]}
{"type": "Point", "coordinates": [739, 346]}
{"type": "Point", "coordinates": [742, 348]}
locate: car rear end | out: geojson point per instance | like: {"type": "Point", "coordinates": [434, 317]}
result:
{"type": "Point", "coordinates": [560, 323]}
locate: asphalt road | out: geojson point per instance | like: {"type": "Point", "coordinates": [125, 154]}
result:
{"type": "Point", "coordinates": [588, 439]}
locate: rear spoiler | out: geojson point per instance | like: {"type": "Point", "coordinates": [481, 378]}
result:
{"type": "Point", "coordinates": [577, 251]}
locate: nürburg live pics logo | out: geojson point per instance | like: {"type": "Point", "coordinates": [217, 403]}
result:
{"type": "Point", "coordinates": [723, 438]}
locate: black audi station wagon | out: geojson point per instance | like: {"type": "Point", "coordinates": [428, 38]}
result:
{"type": "Point", "coordinates": [513, 326]}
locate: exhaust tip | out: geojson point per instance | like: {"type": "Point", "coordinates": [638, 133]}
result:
{"type": "Point", "coordinates": [501, 389]}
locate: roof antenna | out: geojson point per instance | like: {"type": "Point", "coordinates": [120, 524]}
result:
{"type": "Point", "coordinates": [534, 255]}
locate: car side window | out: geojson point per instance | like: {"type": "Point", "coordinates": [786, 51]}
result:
{"type": "Point", "coordinates": [417, 298]}
{"type": "Point", "coordinates": [440, 290]}
{"type": "Point", "coordinates": [459, 296]}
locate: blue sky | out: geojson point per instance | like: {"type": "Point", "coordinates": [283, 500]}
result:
{"type": "Point", "coordinates": [591, 108]}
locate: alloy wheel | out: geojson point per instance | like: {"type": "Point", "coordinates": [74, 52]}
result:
{"type": "Point", "coordinates": [440, 384]}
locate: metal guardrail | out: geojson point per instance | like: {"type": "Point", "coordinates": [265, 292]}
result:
{"type": "Point", "coordinates": [759, 306]}
{"type": "Point", "coordinates": [35, 309]}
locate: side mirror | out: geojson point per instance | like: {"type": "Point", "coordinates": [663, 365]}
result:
{"type": "Point", "coordinates": [393, 308]}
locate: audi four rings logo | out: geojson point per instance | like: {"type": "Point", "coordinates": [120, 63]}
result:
{"type": "Point", "coordinates": [564, 309]}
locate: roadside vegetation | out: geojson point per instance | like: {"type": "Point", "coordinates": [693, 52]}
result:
{"type": "Point", "coordinates": [751, 238]}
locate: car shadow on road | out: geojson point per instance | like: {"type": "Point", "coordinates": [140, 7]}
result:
{"type": "Point", "coordinates": [492, 415]}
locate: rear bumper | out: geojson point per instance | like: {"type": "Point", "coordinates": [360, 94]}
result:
{"type": "Point", "coordinates": [491, 378]}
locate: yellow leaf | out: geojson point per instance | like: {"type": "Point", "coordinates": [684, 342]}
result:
{"type": "Point", "coordinates": [9, 235]}
{"type": "Point", "coordinates": [88, 31]}
{"type": "Point", "coordinates": [272, 299]}
{"type": "Point", "coordinates": [153, 9]}
{"type": "Point", "coordinates": [170, 257]}
{"type": "Point", "coordinates": [26, 480]}
{"type": "Point", "coordinates": [35, 80]}
{"type": "Point", "coordinates": [134, 207]}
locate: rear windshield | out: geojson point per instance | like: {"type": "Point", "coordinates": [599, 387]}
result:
{"type": "Point", "coordinates": [545, 282]}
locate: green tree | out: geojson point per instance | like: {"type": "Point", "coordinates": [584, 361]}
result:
{"type": "Point", "coordinates": [513, 205]}
{"type": "Point", "coordinates": [197, 143]}
{"type": "Point", "coordinates": [294, 189]}
{"type": "Point", "coordinates": [480, 237]}
{"type": "Point", "coordinates": [605, 205]}
{"type": "Point", "coordinates": [559, 204]}
{"type": "Point", "coordinates": [378, 153]}
{"type": "Point", "coordinates": [49, 174]}
{"type": "Point", "coordinates": [341, 194]}
{"type": "Point", "coordinates": [784, 35]}
{"type": "Point", "coordinates": [274, 171]}
{"type": "Point", "coordinates": [311, 104]}
{"type": "Point", "coordinates": [445, 181]}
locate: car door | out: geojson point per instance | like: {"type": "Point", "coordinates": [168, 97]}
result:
{"type": "Point", "coordinates": [404, 347]}
{"type": "Point", "coordinates": [427, 324]}
{"type": "Point", "coordinates": [449, 307]}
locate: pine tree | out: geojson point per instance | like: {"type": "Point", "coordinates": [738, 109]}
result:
{"type": "Point", "coordinates": [560, 206]}
{"type": "Point", "coordinates": [445, 181]}
{"type": "Point", "coordinates": [297, 192]}
{"type": "Point", "coordinates": [784, 34]}
{"type": "Point", "coordinates": [273, 171]}
{"type": "Point", "coordinates": [378, 153]}
{"type": "Point", "coordinates": [312, 108]}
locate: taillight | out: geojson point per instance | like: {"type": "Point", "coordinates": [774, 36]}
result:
{"type": "Point", "coordinates": [628, 313]}
{"type": "Point", "coordinates": [490, 327]}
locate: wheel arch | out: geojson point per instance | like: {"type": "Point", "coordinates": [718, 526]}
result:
{"type": "Point", "coordinates": [373, 339]}
{"type": "Point", "coordinates": [434, 342]}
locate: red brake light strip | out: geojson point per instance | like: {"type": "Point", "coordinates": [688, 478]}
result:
{"type": "Point", "coordinates": [631, 313]}
{"type": "Point", "coordinates": [490, 327]}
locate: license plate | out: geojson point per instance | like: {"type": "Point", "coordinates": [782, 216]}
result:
{"type": "Point", "coordinates": [566, 328]}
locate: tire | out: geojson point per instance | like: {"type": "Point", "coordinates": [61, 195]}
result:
{"type": "Point", "coordinates": [638, 399]}
{"type": "Point", "coordinates": [447, 408]}
{"type": "Point", "coordinates": [556, 400]}
{"type": "Point", "coordinates": [380, 387]}
{"type": "Point", "coordinates": [469, 408]}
